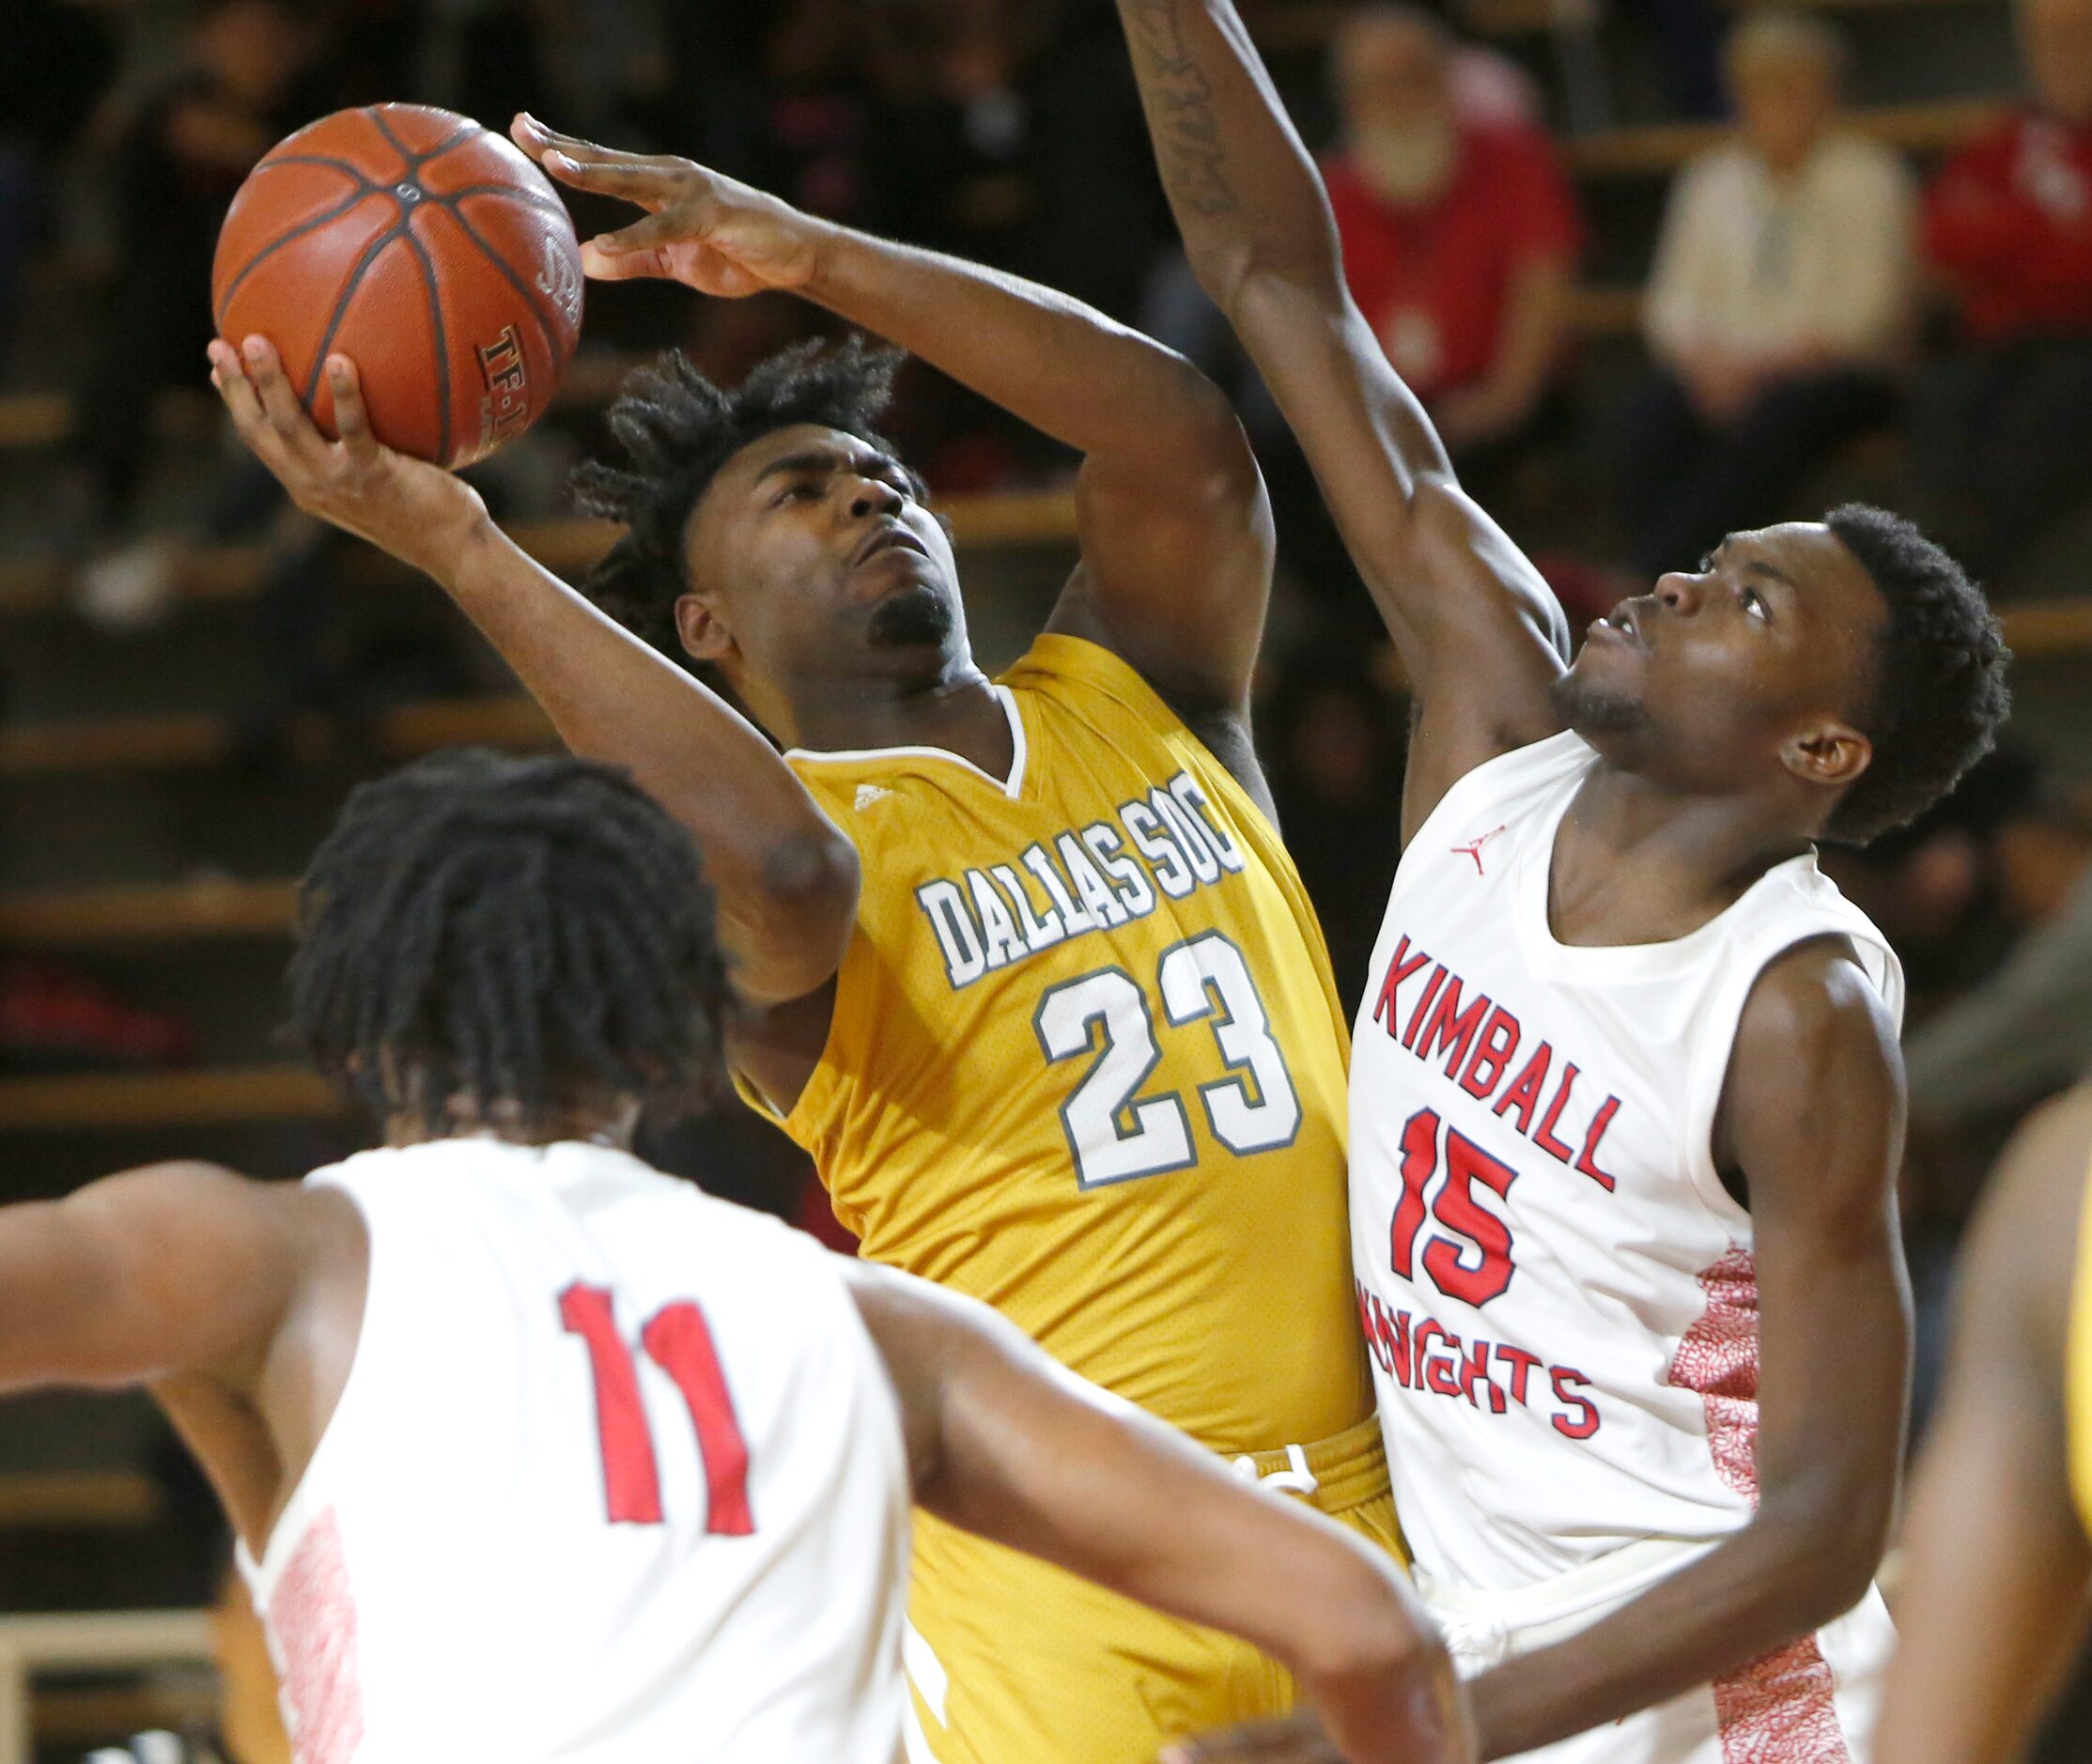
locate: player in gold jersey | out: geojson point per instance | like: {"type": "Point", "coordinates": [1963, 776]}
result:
{"type": "Point", "coordinates": [1992, 1603]}
{"type": "Point", "coordinates": [1026, 966]}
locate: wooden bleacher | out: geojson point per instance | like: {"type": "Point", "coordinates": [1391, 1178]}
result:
{"type": "Point", "coordinates": [567, 546]}
{"type": "Point", "coordinates": [1657, 149]}
{"type": "Point", "coordinates": [199, 741]}
{"type": "Point", "coordinates": [120, 1101]}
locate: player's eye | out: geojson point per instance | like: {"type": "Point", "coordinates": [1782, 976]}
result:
{"type": "Point", "coordinates": [1706, 563]}
{"type": "Point", "coordinates": [1754, 604]}
{"type": "Point", "coordinates": [803, 490]}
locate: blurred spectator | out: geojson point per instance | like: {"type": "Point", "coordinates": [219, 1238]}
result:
{"type": "Point", "coordinates": [1009, 131]}
{"type": "Point", "coordinates": [63, 55]}
{"type": "Point", "coordinates": [174, 170]}
{"type": "Point", "coordinates": [2000, 446]}
{"type": "Point", "coordinates": [1335, 743]}
{"type": "Point", "coordinates": [1460, 233]}
{"type": "Point", "coordinates": [2026, 1030]}
{"type": "Point", "coordinates": [1779, 302]}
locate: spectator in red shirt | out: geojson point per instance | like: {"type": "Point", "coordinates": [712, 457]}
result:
{"type": "Point", "coordinates": [2000, 446]}
{"type": "Point", "coordinates": [1460, 234]}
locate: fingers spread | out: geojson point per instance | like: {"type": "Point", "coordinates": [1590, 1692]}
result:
{"type": "Point", "coordinates": [351, 421]}
{"type": "Point", "coordinates": [279, 401]}
{"type": "Point", "coordinates": [613, 176]}
{"type": "Point", "coordinates": [669, 226]}
{"type": "Point", "coordinates": [235, 390]}
{"type": "Point", "coordinates": [625, 265]}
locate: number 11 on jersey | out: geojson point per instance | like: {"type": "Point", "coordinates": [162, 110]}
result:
{"type": "Point", "coordinates": [679, 1341]}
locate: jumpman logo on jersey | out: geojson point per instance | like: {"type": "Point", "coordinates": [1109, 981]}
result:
{"type": "Point", "coordinates": [1473, 848]}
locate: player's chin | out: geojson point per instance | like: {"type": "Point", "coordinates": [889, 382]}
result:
{"type": "Point", "coordinates": [1600, 701]}
{"type": "Point", "coordinates": [917, 615]}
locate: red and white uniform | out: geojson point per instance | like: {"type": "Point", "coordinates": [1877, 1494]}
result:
{"type": "Point", "coordinates": [618, 1474]}
{"type": "Point", "coordinates": [1557, 1292]}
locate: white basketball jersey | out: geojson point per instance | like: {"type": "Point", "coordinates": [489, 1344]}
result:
{"type": "Point", "coordinates": [1558, 1294]}
{"type": "Point", "coordinates": [617, 1475]}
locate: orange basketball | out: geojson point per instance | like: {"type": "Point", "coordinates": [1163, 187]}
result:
{"type": "Point", "coordinates": [427, 250]}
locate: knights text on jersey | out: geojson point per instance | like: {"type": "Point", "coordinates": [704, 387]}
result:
{"type": "Point", "coordinates": [1557, 1292]}
{"type": "Point", "coordinates": [618, 1474]}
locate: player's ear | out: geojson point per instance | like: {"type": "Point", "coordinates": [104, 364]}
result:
{"type": "Point", "coordinates": [704, 632]}
{"type": "Point", "coordinates": [1830, 754]}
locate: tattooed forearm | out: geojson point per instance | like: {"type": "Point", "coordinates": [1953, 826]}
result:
{"type": "Point", "coordinates": [1179, 97]}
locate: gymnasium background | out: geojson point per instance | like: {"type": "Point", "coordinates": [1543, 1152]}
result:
{"type": "Point", "coordinates": [1629, 351]}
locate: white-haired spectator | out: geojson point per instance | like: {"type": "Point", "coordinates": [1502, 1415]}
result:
{"type": "Point", "coordinates": [1779, 305]}
{"type": "Point", "coordinates": [1460, 233]}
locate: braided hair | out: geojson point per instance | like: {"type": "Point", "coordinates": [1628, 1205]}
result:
{"type": "Point", "coordinates": [518, 936]}
{"type": "Point", "coordinates": [676, 429]}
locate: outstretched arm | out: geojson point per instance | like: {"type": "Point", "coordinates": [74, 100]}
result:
{"type": "Point", "coordinates": [1010, 1445]}
{"type": "Point", "coordinates": [1815, 1107]}
{"type": "Point", "coordinates": [786, 876]}
{"type": "Point", "coordinates": [1997, 1567]}
{"type": "Point", "coordinates": [1175, 530]}
{"type": "Point", "coordinates": [1478, 630]}
{"type": "Point", "coordinates": [171, 1269]}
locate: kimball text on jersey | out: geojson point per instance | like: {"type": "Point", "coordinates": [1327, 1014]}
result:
{"type": "Point", "coordinates": [1481, 1040]}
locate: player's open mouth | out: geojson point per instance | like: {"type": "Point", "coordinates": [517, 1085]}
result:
{"type": "Point", "coordinates": [1623, 625]}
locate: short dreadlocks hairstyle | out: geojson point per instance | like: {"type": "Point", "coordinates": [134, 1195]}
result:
{"type": "Point", "coordinates": [676, 429]}
{"type": "Point", "coordinates": [521, 933]}
{"type": "Point", "coordinates": [1938, 694]}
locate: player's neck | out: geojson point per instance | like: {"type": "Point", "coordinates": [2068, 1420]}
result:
{"type": "Point", "coordinates": [1638, 863]}
{"type": "Point", "coordinates": [958, 712]}
{"type": "Point", "coordinates": [610, 1123]}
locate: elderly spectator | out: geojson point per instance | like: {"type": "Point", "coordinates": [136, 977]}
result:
{"type": "Point", "coordinates": [1778, 306]}
{"type": "Point", "coordinates": [1460, 234]}
{"type": "Point", "coordinates": [2001, 440]}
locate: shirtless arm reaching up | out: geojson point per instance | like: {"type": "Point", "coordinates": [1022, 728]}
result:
{"type": "Point", "coordinates": [1478, 630]}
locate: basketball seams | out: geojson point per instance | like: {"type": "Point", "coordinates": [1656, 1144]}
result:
{"type": "Point", "coordinates": [523, 289]}
{"type": "Point", "coordinates": [353, 280]}
{"type": "Point", "coordinates": [512, 192]}
{"type": "Point", "coordinates": [367, 184]}
{"type": "Point", "coordinates": [416, 160]}
{"type": "Point", "coordinates": [276, 244]}
{"type": "Point", "coordinates": [443, 365]}
{"type": "Point", "coordinates": [372, 307]}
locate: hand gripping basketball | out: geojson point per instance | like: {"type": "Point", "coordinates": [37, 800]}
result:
{"type": "Point", "coordinates": [418, 512]}
{"type": "Point", "coordinates": [709, 232]}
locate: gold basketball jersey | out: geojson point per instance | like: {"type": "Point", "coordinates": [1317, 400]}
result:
{"type": "Point", "coordinates": [2077, 1368]}
{"type": "Point", "coordinates": [1087, 1062]}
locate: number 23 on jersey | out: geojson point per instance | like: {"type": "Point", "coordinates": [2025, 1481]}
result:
{"type": "Point", "coordinates": [1110, 1016]}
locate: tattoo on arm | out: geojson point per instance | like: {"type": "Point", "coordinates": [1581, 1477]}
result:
{"type": "Point", "coordinates": [1187, 136]}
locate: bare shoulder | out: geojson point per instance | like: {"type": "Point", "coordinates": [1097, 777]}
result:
{"type": "Point", "coordinates": [1812, 1005]}
{"type": "Point", "coordinates": [177, 1188]}
{"type": "Point", "coordinates": [1813, 1095]}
